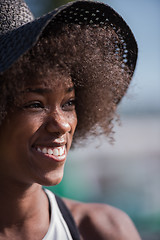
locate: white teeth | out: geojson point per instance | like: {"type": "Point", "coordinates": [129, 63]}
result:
{"type": "Point", "coordinates": [61, 151]}
{"type": "Point", "coordinates": [39, 150]}
{"type": "Point", "coordinates": [55, 152]}
{"type": "Point", "coordinates": [58, 151]}
{"type": "Point", "coordinates": [50, 152]}
{"type": "Point", "coordinates": [44, 150]}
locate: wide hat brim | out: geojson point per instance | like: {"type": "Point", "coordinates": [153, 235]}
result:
{"type": "Point", "coordinates": [16, 42]}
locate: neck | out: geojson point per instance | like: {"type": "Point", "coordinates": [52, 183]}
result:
{"type": "Point", "coordinates": [23, 206]}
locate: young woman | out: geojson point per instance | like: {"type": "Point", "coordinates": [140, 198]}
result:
{"type": "Point", "coordinates": [61, 78]}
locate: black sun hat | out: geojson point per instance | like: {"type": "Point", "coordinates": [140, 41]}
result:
{"type": "Point", "coordinates": [19, 31]}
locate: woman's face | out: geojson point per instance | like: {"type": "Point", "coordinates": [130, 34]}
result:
{"type": "Point", "coordinates": [37, 133]}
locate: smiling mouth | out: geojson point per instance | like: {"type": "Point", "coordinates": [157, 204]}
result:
{"type": "Point", "coordinates": [57, 153]}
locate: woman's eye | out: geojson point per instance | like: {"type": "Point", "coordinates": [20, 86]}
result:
{"type": "Point", "coordinates": [69, 105]}
{"type": "Point", "coordinates": [35, 105]}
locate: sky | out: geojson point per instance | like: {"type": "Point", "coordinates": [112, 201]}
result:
{"type": "Point", "coordinates": [143, 18]}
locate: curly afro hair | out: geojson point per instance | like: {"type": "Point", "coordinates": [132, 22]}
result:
{"type": "Point", "coordinates": [88, 54]}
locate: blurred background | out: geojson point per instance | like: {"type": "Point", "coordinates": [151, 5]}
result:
{"type": "Point", "coordinates": [126, 174]}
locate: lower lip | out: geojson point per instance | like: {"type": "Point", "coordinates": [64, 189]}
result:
{"type": "Point", "coordinates": [51, 157]}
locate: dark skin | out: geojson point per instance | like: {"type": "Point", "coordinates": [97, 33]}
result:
{"type": "Point", "coordinates": [102, 222]}
{"type": "Point", "coordinates": [45, 118]}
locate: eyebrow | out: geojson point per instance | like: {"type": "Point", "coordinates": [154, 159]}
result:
{"type": "Point", "coordinates": [44, 90]}
{"type": "Point", "coordinates": [38, 90]}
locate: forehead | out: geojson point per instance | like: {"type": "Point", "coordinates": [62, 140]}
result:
{"type": "Point", "coordinates": [52, 78]}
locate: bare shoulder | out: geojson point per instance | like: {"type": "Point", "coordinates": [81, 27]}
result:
{"type": "Point", "coordinates": [101, 221]}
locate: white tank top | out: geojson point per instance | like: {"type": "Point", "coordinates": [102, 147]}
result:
{"type": "Point", "coordinates": [58, 229]}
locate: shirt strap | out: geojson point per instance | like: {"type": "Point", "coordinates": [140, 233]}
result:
{"type": "Point", "coordinates": [68, 218]}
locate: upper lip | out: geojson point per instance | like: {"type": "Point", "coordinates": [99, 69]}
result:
{"type": "Point", "coordinates": [50, 142]}
{"type": "Point", "coordinates": [49, 145]}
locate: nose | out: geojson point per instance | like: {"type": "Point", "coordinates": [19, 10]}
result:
{"type": "Point", "coordinates": [58, 123]}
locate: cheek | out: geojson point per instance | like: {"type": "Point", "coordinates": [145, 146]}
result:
{"type": "Point", "coordinates": [19, 130]}
{"type": "Point", "coordinates": [73, 123]}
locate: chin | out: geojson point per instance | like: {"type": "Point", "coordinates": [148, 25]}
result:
{"type": "Point", "coordinates": [51, 179]}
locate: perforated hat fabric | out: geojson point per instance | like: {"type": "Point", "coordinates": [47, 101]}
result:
{"type": "Point", "coordinates": [19, 31]}
{"type": "Point", "coordinates": [13, 15]}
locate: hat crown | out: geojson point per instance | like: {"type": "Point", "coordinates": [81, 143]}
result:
{"type": "Point", "coordinates": [13, 14]}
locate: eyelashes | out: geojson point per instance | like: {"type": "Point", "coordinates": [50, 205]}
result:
{"type": "Point", "coordinates": [69, 105]}
{"type": "Point", "coordinates": [34, 105]}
